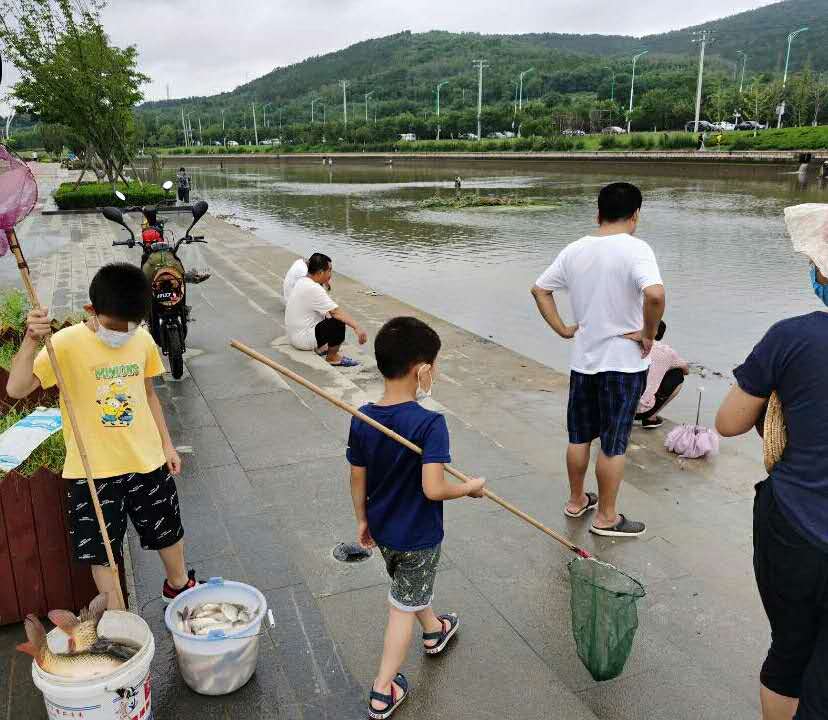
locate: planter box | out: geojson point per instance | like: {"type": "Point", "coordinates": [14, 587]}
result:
{"type": "Point", "coordinates": [39, 398]}
{"type": "Point", "coordinates": [37, 573]}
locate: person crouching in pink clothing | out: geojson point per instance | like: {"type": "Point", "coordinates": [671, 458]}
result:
{"type": "Point", "coordinates": [664, 381]}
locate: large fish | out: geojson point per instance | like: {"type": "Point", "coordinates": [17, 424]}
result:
{"type": "Point", "coordinates": [82, 631]}
{"type": "Point", "coordinates": [79, 666]}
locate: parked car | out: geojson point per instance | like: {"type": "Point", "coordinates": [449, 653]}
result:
{"type": "Point", "coordinates": [723, 126]}
{"type": "Point", "coordinates": [408, 137]}
{"type": "Point", "coordinates": [468, 136]}
{"type": "Point", "coordinates": [613, 130]}
{"type": "Point", "coordinates": [232, 143]}
{"type": "Point", "coordinates": [751, 125]}
{"type": "Point", "coordinates": [704, 126]}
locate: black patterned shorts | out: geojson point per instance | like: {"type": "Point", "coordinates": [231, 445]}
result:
{"type": "Point", "coordinates": [412, 575]}
{"type": "Point", "coordinates": [149, 500]}
{"type": "Point", "coordinates": [603, 405]}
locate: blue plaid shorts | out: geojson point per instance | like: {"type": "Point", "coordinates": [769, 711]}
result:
{"type": "Point", "coordinates": [603, 405]}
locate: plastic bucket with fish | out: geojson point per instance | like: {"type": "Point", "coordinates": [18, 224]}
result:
{"type": "Point", "coordinates": [223, 659]}
{"type": "Point", "coordinates": [124, 693]}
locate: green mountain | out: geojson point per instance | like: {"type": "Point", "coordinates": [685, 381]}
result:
{"type": "Point", "coordinates": [402, 71]}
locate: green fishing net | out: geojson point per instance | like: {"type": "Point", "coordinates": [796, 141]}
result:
{"type": "Point", "coordinates": [604, 615]}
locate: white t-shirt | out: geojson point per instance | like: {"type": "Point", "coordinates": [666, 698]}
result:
{"type": "Point", "coordinates": [298, 270]}
{"type": "Point", "coordinates": [306, 308]}
{"type": "Point", "coordinates": [605, 278]}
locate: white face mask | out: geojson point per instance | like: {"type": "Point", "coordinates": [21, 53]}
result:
{"type": "Point", "coordinates": [115, 338]}
{"type": "Point", "coordinates": [423, 394]}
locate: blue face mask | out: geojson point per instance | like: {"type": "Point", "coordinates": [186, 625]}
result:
{"type": "Point", "coordinates": [820, 290]}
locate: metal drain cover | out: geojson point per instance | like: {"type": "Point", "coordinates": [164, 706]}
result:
{"type": "Point", "coordinates": [351, 552]}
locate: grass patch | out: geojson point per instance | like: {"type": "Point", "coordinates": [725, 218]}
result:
{"type": "Point", "coordinates": [94, 194]}
{"type": "Point", "coordinates": [49, 454]}
{"type": "Point", "coordinates": [14, 307]}
{"type": "Point", "coordinates": [7, 352]}
{"type": "Point", "coordinates": [472, 200]}
{"type": "Point", "coordinates": [795, 138]}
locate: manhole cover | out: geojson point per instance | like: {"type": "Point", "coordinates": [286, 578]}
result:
{"type": "Point", "coordinates": [351, 552]}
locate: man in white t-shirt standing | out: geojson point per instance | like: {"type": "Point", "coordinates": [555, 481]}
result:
{"type": "Point", "coordinates": [313, 320]}
{"type": "Point", "coordinates": [617, 297]}
{"type": "Point", "coordinates": [299, 269]}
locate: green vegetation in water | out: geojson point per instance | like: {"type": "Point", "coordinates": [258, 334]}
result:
{"type": "Point", "coordinates": [94, 194]}
{"type": "Point", "coordinates": [473, 200]}
{"type": "Point", "coordinates": [50, 454]}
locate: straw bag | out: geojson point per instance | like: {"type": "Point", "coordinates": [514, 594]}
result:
{"type": "Point", "coordinates": [775, 435]}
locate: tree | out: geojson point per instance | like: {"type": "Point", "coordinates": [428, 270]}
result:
{"type": "Point", "coordinates": [71, 75]}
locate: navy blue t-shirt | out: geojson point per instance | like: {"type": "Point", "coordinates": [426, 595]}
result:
{"type": "Point", "coordinates": [792, 359]}
{"type": "Point", "coordinates": [400, 516]}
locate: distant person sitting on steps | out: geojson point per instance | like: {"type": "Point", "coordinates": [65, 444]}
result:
{"type": "Point", "coordinates": [313, 320]}
{"type": "Point", "coordinates": [664, 380]}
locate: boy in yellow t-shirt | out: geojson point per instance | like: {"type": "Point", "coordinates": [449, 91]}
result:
{"type": "Point", "coordinates": [108, 363]}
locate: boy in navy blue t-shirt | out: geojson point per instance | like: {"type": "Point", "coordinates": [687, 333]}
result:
{"type": "Point", "coordinates": [398, 498]}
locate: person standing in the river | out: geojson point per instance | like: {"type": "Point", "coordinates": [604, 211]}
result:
{"type": "Point", "coordinates": [617, 294]}
{"type": "Point", "coordinates": [183, 186]}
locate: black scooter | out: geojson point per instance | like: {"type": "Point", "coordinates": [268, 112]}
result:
{"type": "Point", "coordinates": [169, 312]}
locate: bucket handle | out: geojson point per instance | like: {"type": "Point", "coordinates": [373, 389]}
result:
{"type": "Point", "coordinates": [220, 635]}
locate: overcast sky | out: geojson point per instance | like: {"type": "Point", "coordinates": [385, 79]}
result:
{"type": "Point", "coordinates": [202, 47]}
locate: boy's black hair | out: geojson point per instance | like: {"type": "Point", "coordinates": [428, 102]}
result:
{"type": "Point", "coordinates": [318, 263]}
{"type": "Point", "coordinates": [402, 343]}
{"type": "Point", "coordinates": [181, 169]}
{"type": "Point", "coordinates": [662, 328]}
{"type": "Point", "coordinates": [121, 291]}
{"type": "Point", "coordinates": [618, 201]}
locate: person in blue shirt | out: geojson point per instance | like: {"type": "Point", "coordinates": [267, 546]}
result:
{"type": "Point", "coordinates": [790, 513]}
{"type": "Point", "coordinates": [398, 498]}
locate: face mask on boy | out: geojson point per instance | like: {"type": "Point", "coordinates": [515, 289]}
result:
{"type": "Point", "coordinates": [115, 338]}
{"type": "Point", "coordinates": [820, 290]}
{"type": "Point", "coordinates": [421, 393]}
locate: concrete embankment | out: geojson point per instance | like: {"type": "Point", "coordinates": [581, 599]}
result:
{"type": "Point", "coordinates": [265, 498]}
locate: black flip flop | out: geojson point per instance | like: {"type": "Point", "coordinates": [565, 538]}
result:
{"type": "Point", "coordinates": [592, 503]}
{"type": "Point", "coordinates": [443, 635]}
{"type": "Point", "coordinates": [391, 703]}
{"type": "Point", "coordinates": [623, 528]}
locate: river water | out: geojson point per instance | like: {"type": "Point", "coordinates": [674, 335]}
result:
{"type": "Point", "coordinates": [718, 234]}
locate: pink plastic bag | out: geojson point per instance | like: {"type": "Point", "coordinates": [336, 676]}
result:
{"type": "Point", "coordinates": [18, 193]}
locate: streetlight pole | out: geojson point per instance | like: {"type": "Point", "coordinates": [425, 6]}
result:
{"type": "Point", "coordinates": [367, 95]}
{"type": "Point", "coordinates": [632, 88]}
{"type": "Point", "coordinates": [703, 38]}
{"type": "Point", "coordinates": [744, 62]}
{"type": "Point", "coordinates": [520, 94]}
{"type": "Point", "coordinates": [612, 82]}
{"type": "Point", "coordinates": [264, 113]}
{"type": "Point", "coordinates": [280, 123]}
{"type": "Point", "coordinates": [345, 84]}
{"type": "Point", "coordinates": [255, 129]}
{"type": "Point", "coordinates": [439, 85]}
{"type": "Point", "coordinates": [223, 131]}
{"type": "Point", "coordinates": [313, 101]}
{"type": "Point", "coordinates": [791, 37]}
{"type": "Point", "coordinates": [480, 65]}
{"type": "Point", "coordinates": [200, 134]}
{"type": "Point", "coordinates": [184, 128]}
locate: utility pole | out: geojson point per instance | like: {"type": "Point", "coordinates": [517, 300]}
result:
{"type": "Point", "coordinates": [744, 62]}
{"type": "Point", "coordinates": [264, 114]}
{"type": "Point", "coordinates": [439, 85]}
{"type": "Point", "coordinates": [280, 123]}
{"type": "Point", "coordinates": [223, 132]}
{"type": "Point", "coordinates": [632, 88]}
{"type": "Point", "coordinates": [345, 84]}
{"type": "Point", "coordinates": [9, 122]}
{"type": "Point", "coordinates": [313, 101]}
{"type": "Point", "coordinates": [200, 134]}
{"type": "Point", "coordinates": [612, 82]}
{"type": "Point", "coordinates": [184, 128]}
{"type": "Point", "coordinates": [168, 92]}
{"type": "Point", "coordinates": [703, 38]}
{"type": "Point", "coordinates": [255, 129]}
{"type": "Point", "coordinates": [520, 95]}
{"type": "Point", "coordinates": [781, 109]}
{"type": "Point", "coordinates": [480, 65]}
{"type": "Point", "coordinates": [367, 95]}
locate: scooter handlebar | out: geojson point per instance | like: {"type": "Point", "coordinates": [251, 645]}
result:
{"type": "Point", "coordinates": [128, 243]}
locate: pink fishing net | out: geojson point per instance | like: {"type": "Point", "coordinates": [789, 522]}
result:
{"type": "Point", "coordinates": [18, 193]}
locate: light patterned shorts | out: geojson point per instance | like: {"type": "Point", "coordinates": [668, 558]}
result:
{"type": "Point", "coordinates": [412, 575]}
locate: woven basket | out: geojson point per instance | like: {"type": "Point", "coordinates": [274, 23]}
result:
{"type": "Point", "coordinates": [775, 434]}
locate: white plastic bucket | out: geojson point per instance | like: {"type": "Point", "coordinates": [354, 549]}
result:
{"type": "Point", "coordinates": [126, 693]}
{"type": "Point", "coordinates": [218, 663]}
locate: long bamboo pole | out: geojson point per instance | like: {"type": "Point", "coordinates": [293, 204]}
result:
{"type": "Point", "coordinates": [14, 245]}
{"type": "Point", "coordinates": [406, 442]}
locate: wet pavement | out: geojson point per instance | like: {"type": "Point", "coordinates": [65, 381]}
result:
{"type": "Point", "coordinates": [265, 499]}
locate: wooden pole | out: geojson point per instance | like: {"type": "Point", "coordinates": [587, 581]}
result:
{"type": "Point", "coordinates": [404, 441]}
{"type": "Point", "coordinates": [14, 245]}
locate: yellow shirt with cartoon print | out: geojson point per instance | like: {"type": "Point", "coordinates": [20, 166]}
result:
{"type": "Point", "coordinates": [106, 385]}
